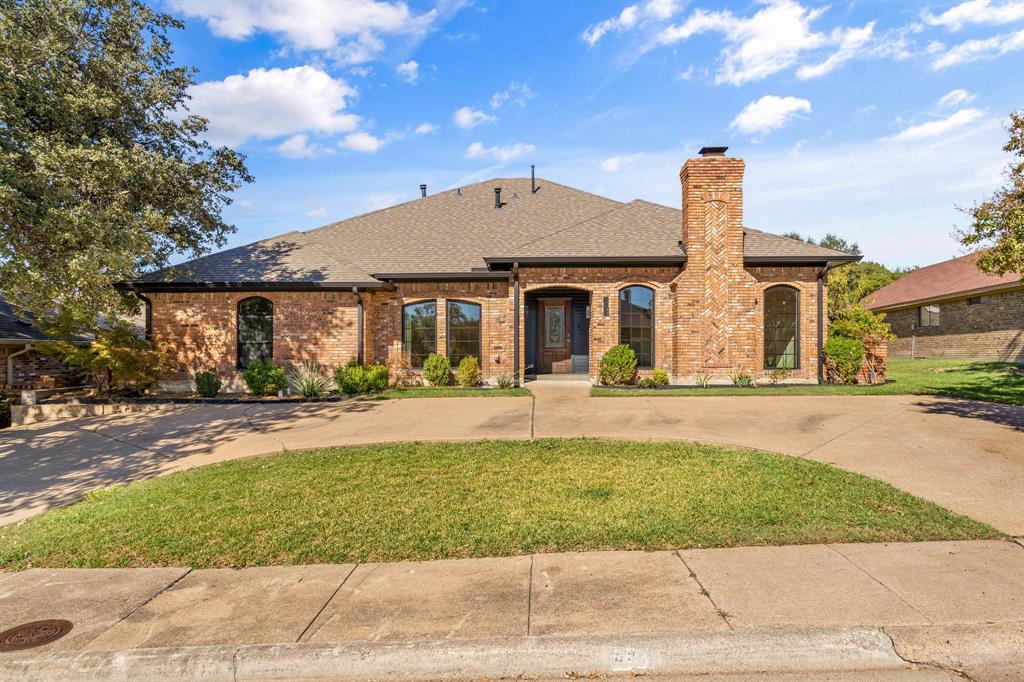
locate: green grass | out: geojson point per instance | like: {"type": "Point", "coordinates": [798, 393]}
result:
{"type": "Point", "coordinates": [491, 498]}
{"type": "Point", "coordinates": [1000, 382]}
{"type": "Point", "coordinates": [447, 392]}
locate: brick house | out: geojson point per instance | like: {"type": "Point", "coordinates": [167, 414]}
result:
{"type": "Point", "coordinates": [530, 276]}
{"type": "Point", "coordinates": [21, 364]}
{"type": "Point", "coordinates": [954, 310]}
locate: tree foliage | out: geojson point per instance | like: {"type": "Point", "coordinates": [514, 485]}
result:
{"type": "Point", "coordinates": [117, 360]}
{"type": "Point", "coordinates": [997, 224]}
{"type": "Point", "coordinates": [103, 175]}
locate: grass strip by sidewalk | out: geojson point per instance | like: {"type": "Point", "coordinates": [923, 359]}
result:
{"type": "Point", "coordinates": [1000, 382]}
{"type": "Point", "coordinates": [447, 392]}
{"type": "Point", "coordinates": [493, 498]}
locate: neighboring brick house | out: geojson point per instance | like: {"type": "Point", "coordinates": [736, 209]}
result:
{"type": "Point", "coordinates": [954, 310]}
{"type": "Point", "coordinates": [21, 365]}
{"type": "Point", "coordinates": [532, 277]}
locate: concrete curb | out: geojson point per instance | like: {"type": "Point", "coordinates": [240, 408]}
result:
{"type": "Point", "coordinates": [761, 651]}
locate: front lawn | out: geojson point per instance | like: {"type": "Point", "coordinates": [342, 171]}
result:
{"type": "Point", "coordinates": [447, 392]}
{"type": "Point", "coordinates": [1000, 382]}
{"type": "Point", "coordinates": [444, 500]}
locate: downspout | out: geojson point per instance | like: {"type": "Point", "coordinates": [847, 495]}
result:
{"type": "Point", "coordinates": [149, 315]}
{"type": "Point", "coordinates": [10, 362]}
{"type": "Point", "coordinates": [359, 325]}
{"type": "Point", "coordinates": [515, 323]}
{"type": "Point", "coordinates": [821, 321]}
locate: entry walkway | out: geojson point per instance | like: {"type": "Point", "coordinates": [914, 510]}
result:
{"type": "Point", "coordinates": [957, 605]}
{"type": "Point", "coordinates": [965, 455]}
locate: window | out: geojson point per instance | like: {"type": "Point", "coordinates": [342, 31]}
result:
{"type": "Point", "coordinates": [463, 331]}
{"type": "Point", "coordinates": [419, 331]}
{"type": "Point", "coordinates": [554, 326]}
{"type": "Point", "coordinates": [928, 316]}
{"type": "Point", "coordinates": [636, 323]}
{"type": "Point", "coordinates": [977, 300]}
{"type": "Point", "coordinates": [781, 328]}
{"type": "Point", "coordinates": [255, 331]}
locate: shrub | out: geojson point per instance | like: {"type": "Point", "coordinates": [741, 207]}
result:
{"type": "Point", "coordinates": [263, 377]}
{"type": "Point", "coordinates": [742, 379]}
{"type": "Point", "coordinates": [208, 383]}
{"type": "Point", "coordinates": [376, 378]}
{"type": "Point", "coordinates": [5, 410]}
{"type": "Point", "coordinates": [659, 377]}
{"type": "Point", "coordinates": [117, 360]}
{"type": "Point", "coordinates": [703, 380]}
{"type": "Point", "coordinates": [777, 375]}
{"type": "Point", "coordinates": [309, 380]}
{"type": "Point", "coordinates": [468, 373]}
{"type": "Point", "coordinates": [647, 382]}
{"type": "Point", "coordinates": [858, 323]}
{"type": "Point", "coordinates": [618, 365]}
{"type": "Point", "coordinates": [351, 378]}
{"type": "Point", "coordinates": [437, 370]}
{"type": "Point", "coordinates": [843, 358]}
{"type": "Point", "coordinates": [506, 381]}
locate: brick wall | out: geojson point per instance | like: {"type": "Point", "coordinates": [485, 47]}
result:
{"type": "Point", "coordinates": [993, 330]}
{"type": "Point", "coordinates": [35, 370]}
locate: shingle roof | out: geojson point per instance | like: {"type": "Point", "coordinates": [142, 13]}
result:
{"type": "Point", "coordinates": [461, 231]}
{"type": "Point", "coordinates": [17, 325]}
{"type": "Point", "coordinates": [941, 280]}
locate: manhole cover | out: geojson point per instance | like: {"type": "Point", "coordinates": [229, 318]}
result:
{"type": "Point", "coordinates": [36, 633]}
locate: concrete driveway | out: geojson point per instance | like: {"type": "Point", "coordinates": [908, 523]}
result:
{"type": "Point", "coordinates": [967, 456]}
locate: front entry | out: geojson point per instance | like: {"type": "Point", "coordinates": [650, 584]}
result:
{"type": "Point", "coordinates": [554, 342]}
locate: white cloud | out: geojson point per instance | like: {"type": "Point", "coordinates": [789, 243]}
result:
{"type": "Point", "coordinates": [629, 18]}
{"type": "Point", "coordinates": [772, 40]}
{"type": "Point", "coordinates": [366, 143]}
{"type": "Point", "coordinates": [409, 71]}
{"type": "Point", "coordinates": [977, 12]}
{"type": "Point", "coordinates": [427, 128]}
{"type": "Point", "coordinates": [499, 153]}
{"type": "Point", "coordinates": [942, 126]}
{"type": "Point", "coordinates": [686, 74]}
{"type": "Point", "coordinates": [467, 117]}
{"type": "Point", "coordinates": [318, 213]}
{"type": "Point", "coordinates": [769, 113]}
{"type": "Point", "coordinates": [867, 110]}
{"type": "Point", "coordinates": [977, 50]}
{"type": "Point", "coordinates": [348, 31]}
{"type": "Point", "coordinates": [613, 164]}
{"type": "Point", "coordinates": [268, 103]}
{"type": "Point", "coordinates": [298, 147]}
{"type": "Point", "coordinates": [519, 93]}
{"type": "Point", "coordinates": [956, 97]}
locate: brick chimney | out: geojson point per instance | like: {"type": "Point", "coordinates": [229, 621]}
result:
{"type": "Point", "coordinates": [713, 238]}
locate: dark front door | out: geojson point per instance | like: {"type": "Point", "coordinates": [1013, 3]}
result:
{"type": "Point", "coordinates": [554, 346]}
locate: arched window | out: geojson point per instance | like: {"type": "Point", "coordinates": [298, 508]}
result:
{"type": "Point", "coordinates": [636, 323]}
{"type": "Point", "coordinates": [255, 330]}
{"type": "Point", "coordinates": [781, 328]}
{"type": "Point", "coordinates": [463, 331]}
{"type": "Point", "coordinates": [419, 331]}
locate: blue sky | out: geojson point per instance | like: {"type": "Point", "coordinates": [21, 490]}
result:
{"type": "Point", "coordinates": [868, 119]}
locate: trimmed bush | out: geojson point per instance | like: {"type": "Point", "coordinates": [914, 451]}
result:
{"type": "Point", "coordinates": [263, 377]}
{"type": "Point", "coordinates": [647, 382]}
{"type": "Point", "coordinates": [208, 383]}
{"type": "Point", "coordinates": [351, 378]}
{"type": "Point", "coordinates": [377, 378]}
{"type": "Point", "coordinates": [437, 370]}
{"type": "Point", "coordinates": [843, 357]}
{"type": "Point", "coordinates": [618, 366]}
{"type": "Point", "coordinates": [659, 377]}
{"type": "Point", "coordinates": [309, 380]}
{"type": "Point", "coordinates": [858, 323]}
{"type": "Point", "coordinates": [468, 373]}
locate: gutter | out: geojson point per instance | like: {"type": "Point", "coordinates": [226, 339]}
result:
{"type": "Point", "coordinates": [359, 325]}
{"type": "Point", "coordinates": [966, 293]}
{"type": "Point", "coordinates": [515, 323]}
{"type": "Point", "coordinates": [10, 362]}
{"type": "Point", "coordinates": [170, 287]}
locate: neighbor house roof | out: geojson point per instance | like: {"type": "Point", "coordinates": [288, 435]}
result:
{"type": "Point", "coordinates": [956, 277]}
{"type": "Point", "coordinates": [16, 326]}
{"type": "Point", "coordinates": [460, 232]}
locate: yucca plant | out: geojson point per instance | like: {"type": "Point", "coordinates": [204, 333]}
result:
{"type": "Point", "coordinates": [309, 380]}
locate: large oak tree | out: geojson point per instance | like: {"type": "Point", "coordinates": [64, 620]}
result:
{"type": "Point", "coordinates": [103, 175]}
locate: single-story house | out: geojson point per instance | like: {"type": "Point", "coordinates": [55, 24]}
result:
{"type": "Point", "coordinates": [21, 364]}
{"type": "Point", "coordinates": [954, 310]}
{"type": "Point", "coordinates": [530, 276]}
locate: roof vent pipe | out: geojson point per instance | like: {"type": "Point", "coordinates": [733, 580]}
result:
{"type": "Point", "coordinates": [533, 180]}
{"type": "Point", "coordinates": [497, 197]}
{"type": "Point", "coordinates": [423, 190]}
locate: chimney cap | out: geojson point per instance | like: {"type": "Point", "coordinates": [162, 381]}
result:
{"type": "Point", "coordinates": [712, 151]}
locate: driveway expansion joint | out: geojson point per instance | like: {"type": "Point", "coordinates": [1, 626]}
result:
{"type": "Point", "coordinates": [880, 583]}
{"type": "Point", "coordinates": [327, 603]}
{"type": "Point", "coordinates": [721, 613]}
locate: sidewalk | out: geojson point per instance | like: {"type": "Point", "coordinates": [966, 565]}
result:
{"type": "Point", "coordinates": [950, 605]}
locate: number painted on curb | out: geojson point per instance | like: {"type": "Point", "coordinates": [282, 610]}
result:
{"type": "Point", "coordinates": [631, 659]}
